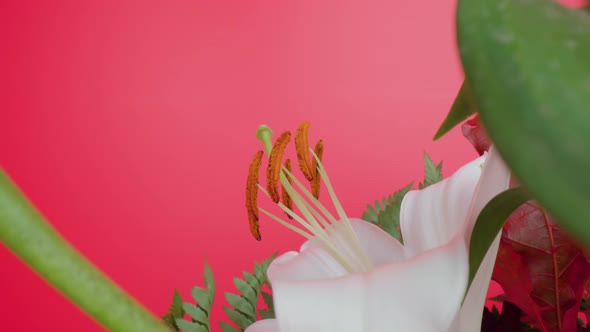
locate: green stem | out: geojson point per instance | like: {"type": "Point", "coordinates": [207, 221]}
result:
{"type": "Point", "coordinates": [26, 233]}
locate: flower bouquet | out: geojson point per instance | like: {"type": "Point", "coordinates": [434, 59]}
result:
{"type": "Point", "coordinates": [422, 258]}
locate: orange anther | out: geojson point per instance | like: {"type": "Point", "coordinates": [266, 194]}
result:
{"type": "Point", "coordinates": [273, 171]}
{"type": "Point", "coordinates": [252, 194]}
{"type": "Point", "coordinates": [302, 148]}
{"type": "Point", "coordinates": [315, 183]}
{"type": "Point", "coordinates": [285, 195]}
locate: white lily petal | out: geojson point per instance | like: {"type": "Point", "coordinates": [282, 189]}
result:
{"type": "Point", "coordinates": [381, 247]}
{"type": "Point", "coordinates": [315, 263]}
{"type": "Point", "coordinates": [265, 325]}
{"type": "Point", "coordinates": [431, 217]}
{"type": "Point", "coordinates": [420, 294]}
{"type": "Point", "coordinates": [472, 309]}
{"type": "Point", "coordinates": [495, 179]}
{"type": "Point", "coordinates": [416, 287]}
{"type": "Point", "coordinates": [428, 289]}
{"type": "Point", "coordinates": [310, 264]}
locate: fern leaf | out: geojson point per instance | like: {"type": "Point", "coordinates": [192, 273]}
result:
{"type": "Point", "coordinates": [387, 214]}
{"type": "Point", "coordinates": [266, 314]}
{"type": "Point", "coordinates": [199, 312]}
{"type": "Point", "coordinates": [242, 309]}
{"type": "Point", "coordinates": [202, 297]}
{"type": "Point", "coordinates": [209, 280]}
{"type": "Point", "coordinates": [242, 305]}
{"type": "Point", "coordinates": [432, 172]}
{"type": "Point", "coordinates": [389, 218]}
{"type": "Point", "coordinates": [225, 327]}
{"type": "Point", "coordinates": [187, 326]}
{"type": "Point", "coordinates": [238, 318]}
{"type": "Point", "coordinates": [270, 311]}
{"type": "Point", "coordinates": [174, 312]}
{"type": "Point", "coordinates": [246, 290]}
{"type": "Point", "coordinates": [371, 215]}
{"type": "Point", "coordinates": [267, 297]}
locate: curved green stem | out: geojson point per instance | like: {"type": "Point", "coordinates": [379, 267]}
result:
{"type": "Point", "coordinates": [26, 233]}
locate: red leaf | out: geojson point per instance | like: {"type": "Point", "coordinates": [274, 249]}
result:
{"type": "Point", "coordinates": [541, 270]}
{"type": "Point", "coordinates": [473, 131]}
{"type": "Point", "coordinates": [539, 267]}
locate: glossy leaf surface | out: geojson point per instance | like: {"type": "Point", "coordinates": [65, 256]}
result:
{"type": "Point", "coordinates": [532, 91]}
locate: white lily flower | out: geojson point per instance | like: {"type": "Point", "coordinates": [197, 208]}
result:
{"type": "Point", "coordinates": [351, 276]}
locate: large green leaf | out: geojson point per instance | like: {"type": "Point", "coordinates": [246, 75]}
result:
{"type": "Point", "coordinates": [489, 223]}
{"type": "Point", "coordinates": [527, 62]}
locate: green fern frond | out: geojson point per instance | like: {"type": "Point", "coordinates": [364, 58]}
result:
{"type": "Point", "coordinates": [270, 311]}
{"type": "Point", "coordinates": [386, 213]}
{"type": "Point", "coordinates": [432, 172]}
{"type": "Point", "coordinates": [225, 327]}
{"type": "Point", "coordinates": [199, 312]}
{"type": "Point", "coordinates": [174, 312]}
{"type": "Point", "coordinates": [242, 310]}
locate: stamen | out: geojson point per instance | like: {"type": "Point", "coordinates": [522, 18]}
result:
{"type": "Point", "coordinates": [311, 214]}
{"type": "Point", "coordinates": [327, 245]}
{"type": "Point", "coordinates": [252, 195]}
{"type": "Point", "coordinates": [316, 223]}
{"type": "Point", "coordinates": [273, 171]}
{"type": "Point", "coordinates": [340, 239]}
{"type": "Point", "coordinates": [314, 200]}
{"type": "Point", "coordinates": [289, 226]}
{"type": "Point", "coordinates": [349, 232]}
{"type": "Point", "coordinates": [326, 179]}
{"type": "Point", "coordinates": [300, 203]}
{"type": "Point", "coordinates": [310, 224]}
{"type": "Point", "coordinates": [302, 148]}
{"type": "Point", "coordinates": [285, 195]}
{"type": "Point", "coordinates": [315, 183]}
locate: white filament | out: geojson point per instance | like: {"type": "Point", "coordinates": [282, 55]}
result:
{"type": "Point", "coordinates": [336, 237]}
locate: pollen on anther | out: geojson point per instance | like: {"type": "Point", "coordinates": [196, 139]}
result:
{"type": "Point", "coordinates": [302, 149]}
{"type": "Point", "coordinates": [252, 195]}
{"type": "Point", "coordinates": [287, 201]}
{"type": "Point", "coordinates": [273, 172]}
{"type": "Point", "coordinates": [315, 183]}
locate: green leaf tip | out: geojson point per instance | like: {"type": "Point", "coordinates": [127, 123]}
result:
{"type": "Point", "coordinates": [30, 237]}
{"type": "Point", "coordinates": [527, 66]}
{"type": "Point", "coordinates": [209, 279]}
{"type": "Point", "coordinates": [490, 222]}
{"type": "Point", "coordinates": [175, 311]}
{"type": "Point", "coordinates": [463, 107]}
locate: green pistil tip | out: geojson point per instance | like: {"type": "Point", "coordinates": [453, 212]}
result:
{"type": "Point", "coordinates": [264, 133]}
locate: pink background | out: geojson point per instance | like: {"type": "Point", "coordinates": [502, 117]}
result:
{"type": "Point", "coordinates": [131, 126]}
